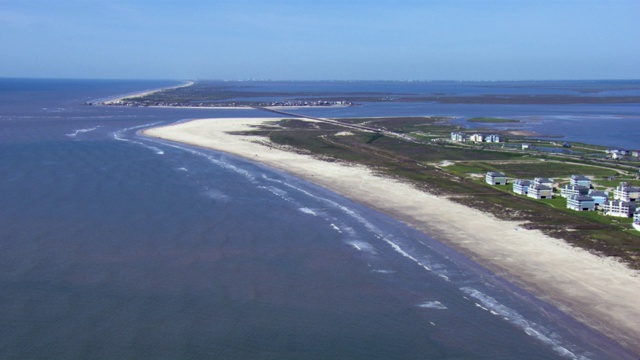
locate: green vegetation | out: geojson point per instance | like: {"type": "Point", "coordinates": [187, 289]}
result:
{"type": "Point", "coordinates": [616, 182]}
{"type": "Point", "coordinates": [529, 169]}
{"type": "Point", "coordinates": [491, 120]}
{"type": "Point", "coordinates": [204, 93]}
{"type": "Point", "coordinates": [374, 137]}
{"type": "Point", "coordinates": [457, 170]}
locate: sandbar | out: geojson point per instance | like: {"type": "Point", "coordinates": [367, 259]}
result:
{"type": "Point", "coordinates": [598, 291]}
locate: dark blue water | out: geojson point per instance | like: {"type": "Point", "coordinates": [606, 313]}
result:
{"type": "Point", "coordinates": [113, 245]}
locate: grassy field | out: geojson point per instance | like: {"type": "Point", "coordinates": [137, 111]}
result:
{"type": "Point", "coordinates": [457, 171]}
{"type": "Point", "coordinates": [529, 169]}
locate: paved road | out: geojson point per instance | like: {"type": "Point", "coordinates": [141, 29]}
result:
{"type": "Point", "coordinates": [338, 123]}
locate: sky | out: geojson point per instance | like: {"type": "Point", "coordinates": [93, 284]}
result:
{"type": "Point", "coordinates": [321, 40]}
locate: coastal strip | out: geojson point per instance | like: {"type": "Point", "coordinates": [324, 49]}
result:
{"type": "Point", "coordinates": [118, 100]}
{"type": "Point", "coordinates": [600, 292]}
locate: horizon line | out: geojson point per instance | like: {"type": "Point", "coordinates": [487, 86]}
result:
{"type": "Point", "coordinates": [305, 80]}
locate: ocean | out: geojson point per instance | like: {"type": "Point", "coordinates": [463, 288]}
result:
{"type": "Point", "coordinates": [117, 246]}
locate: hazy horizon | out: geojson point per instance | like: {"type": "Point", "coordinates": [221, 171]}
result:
{"type": "Point", "coordinates": [319, 80]}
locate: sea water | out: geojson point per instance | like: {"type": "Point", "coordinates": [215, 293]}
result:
{"type": "Point", "coordinates": [113, 245]}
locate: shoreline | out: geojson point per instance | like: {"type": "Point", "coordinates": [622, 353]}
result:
{"type": "Point", "coordinates": [116, 100]}
{"type": "Point", "coordinates": [599, 292]}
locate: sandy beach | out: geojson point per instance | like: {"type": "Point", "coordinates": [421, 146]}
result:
{"type": "Point", "coordinates": [599, 292]}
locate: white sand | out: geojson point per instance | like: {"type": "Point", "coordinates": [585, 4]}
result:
{"type": "Point", "coordinates": [600, 292]}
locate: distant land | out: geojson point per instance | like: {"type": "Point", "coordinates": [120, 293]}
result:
{"type": "Point", "coordinates": [423, 141]}
{"type": "Point", "coordinates": [491, 120]}
{"type": "Point", "coordinates": [219, 94]}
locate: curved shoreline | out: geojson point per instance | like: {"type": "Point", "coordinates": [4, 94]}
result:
{"type": "Point", "coordinates": [118, 99]}
{"type": "Point", "coordinates": [598, 292]}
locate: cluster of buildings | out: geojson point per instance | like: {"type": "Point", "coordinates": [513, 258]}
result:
{"type": "Point", "coordinates": [297, 103]}
{"type": "Point", "coordinates": [580, 195]}
{"type": "Point", "coordinates": [538, 188]}
{"type": "Point", "coordinates": [291, 103]}
{"type": "Point", "coordinates": [618, 154]}
{"type": "Point", "coordinates": [489, 138]}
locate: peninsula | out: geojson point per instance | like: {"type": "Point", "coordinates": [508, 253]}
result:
{"type": "Point", "coordinates": [600, 291]}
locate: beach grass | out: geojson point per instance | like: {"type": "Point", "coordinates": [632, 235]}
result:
{"type": "Point", "coordinates": [463, 180]}
{"type": "Point", "coordinates": [536, 168]}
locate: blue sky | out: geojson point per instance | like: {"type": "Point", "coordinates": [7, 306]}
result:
{"type": "Point", "coordinates": [318, 40]}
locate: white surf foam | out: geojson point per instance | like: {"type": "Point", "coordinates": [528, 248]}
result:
{"type": "Point", "coordinates": [437, 305]}
{"type": "Point", "coordinates": [399, 250]}
{"type": "Point", "coordinates": [211, 158]}
{"type": "Point", "coordinates": [277, 192]}
{"type": "Point", "coordinates": [539, 332]}
{"type": "Point", "coordinates": [383, 271]}
{"type": "Point", "coordinates": [81, 131]}
{"type": "Point", "coordinates": [348, 230]}
{"type": "Point", "coordinates": [359, 218]}
{"type": "Point", "coordinates": [362, 246]}
{"type": "Point", "coordinates": [308, 211]}
{"type": "Point", "coordinates": [119, 135]}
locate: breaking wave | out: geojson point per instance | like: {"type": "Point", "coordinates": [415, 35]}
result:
{"type": "Point", "coordinates": [80, 131]}
{"type": "Point", "coordinates": [119, 135]}
{"type": "Point", "coordinates": [539, 332]}
{"type": "Point", "coordinates": [433, 305]}
{"type": "Point", "coordinates": [308, 211]}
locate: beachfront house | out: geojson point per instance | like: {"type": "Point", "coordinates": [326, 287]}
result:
{"type": "Point", "coordinates": [599, 197]}
{"type": "Point", "coordinates": [580, 180]}
{"type": "Point", "coordinates": [495, 178]}
{"type": "Point", "coordinates": [543, 181]}
{"type": "Point", "coordinates": [581, 203]}
{"type": "Point", "coordinates": [626, 192]}
{"type": "Point", "coordinates": [525, 146]}
{"type": "Point", "coordinates": [492, 138]}
{"type": "Point", "coordinates": [619, 208]}
{"type": "Point", "coordinates": [457, 136]}
{"type": "Point", "coordinates": [573, 190]}
{"type": "Point", "coordinates": [616, 152]}
{"type": "Point", "coordinates": [521, 186]}
{"type": "Point", "coordinates": [538, 191]}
